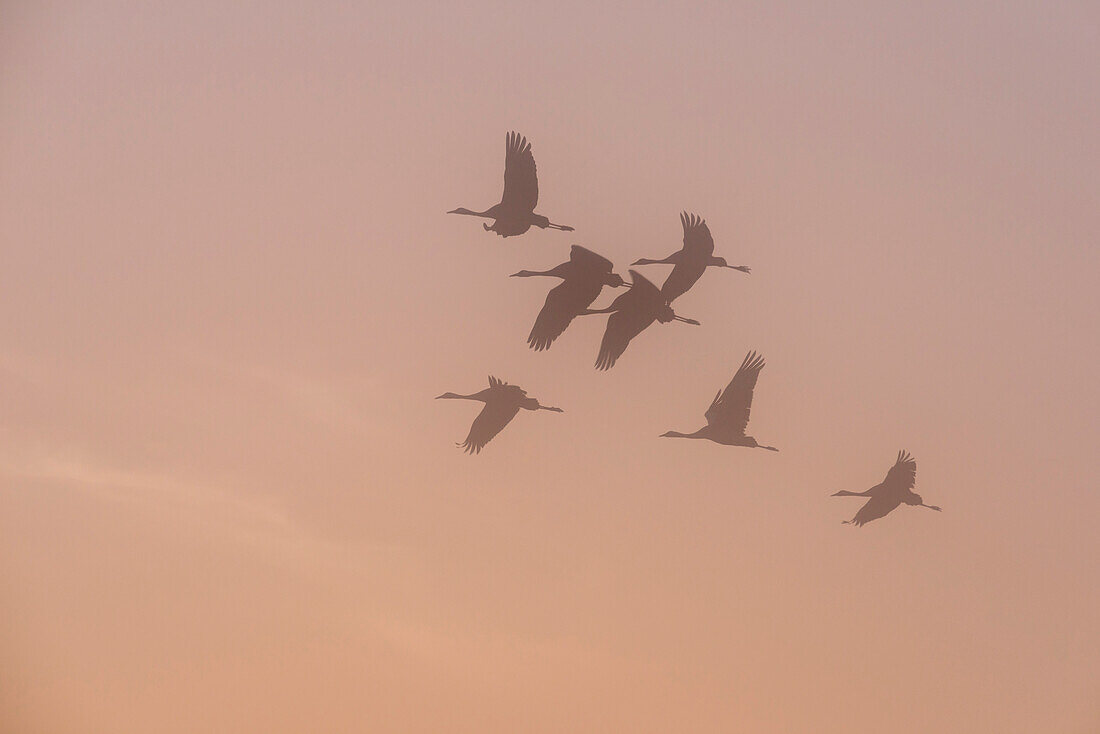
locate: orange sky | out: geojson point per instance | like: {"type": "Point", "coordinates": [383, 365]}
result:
{"type": "Point", "coordinates": [229, 293]}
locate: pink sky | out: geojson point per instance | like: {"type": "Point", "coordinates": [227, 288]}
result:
{"type": "Point", "coordinates": [229, 293]}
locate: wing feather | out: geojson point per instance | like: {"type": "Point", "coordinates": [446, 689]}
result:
{"type": "Point", "coordinates": [634, 313]}
{"type": "Point", "coordinates": [874, 508]}
{"type": "Point", "coordinates": [622, 326]}
{"type": "Point", "coordinates": [489, 422]}
{"type": "Point", "coordinates": [563, 303]}
{"type": "Point", "coordinates": [903, 474]}
{"type": "Point", "coordinates": [730, 408]}
{"type": "Point", "coordinates": [588, 260]}
{"type": "Point", "coordinates": [521, 183]}
{"type": "Point", "coordinates": [697, 238]}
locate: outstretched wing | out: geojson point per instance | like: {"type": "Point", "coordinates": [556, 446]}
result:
{"type": "Point", "coordinates": [489, 422]}
{"type": "Point", "coordinates": [521, 183]}
{"type": "Point", "coordinates": [903, 474]}
{"type": "Point", "coordinates": [642, 291]}
{"type": "Point", "coordinates": [562, 305]}
{"type": "Point", "coordinates": [588, 260]}
{"type": "Point", "coordinates": [634, 312]}
{"type": "Point", "coordinates": [730, 407]}
{"type": "Point", "coordinates": [697, 239]}
{"type": "Point", "coordinates": [876, 507]}
{"type": "Point", "coordinates": [622, 326]}
{"type": "Point", "coordinates": [680, 280]}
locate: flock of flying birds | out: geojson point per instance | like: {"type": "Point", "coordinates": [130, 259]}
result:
{"type": "Point", "coordinates": [583, 278]}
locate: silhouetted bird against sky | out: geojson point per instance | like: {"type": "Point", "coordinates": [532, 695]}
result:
{"type": "Point", "coordinates": [516, 211]}
{"type": "Point", "coordinates": [895, 489]}
{"type": "Point", "coordinates": [728, 414]}
{"type": "Point", "coordinates": [502, 402]}
{"type": "Point", "coordinates": [689, 262]}
{"type": "Point", "coordinates": [631, 313]}
{"type": "Point", "coordinates": [584, 276]}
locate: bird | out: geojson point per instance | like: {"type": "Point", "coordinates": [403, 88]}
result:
{"type": "Point", "coordinates": [631, 313]}
{"type": "Point", "coordinates": [515, 213]}
{"type": "Point", "coordinates": [689, 262]}
{"type": "Point", "coordinates": [728, 414]}
{"type": "Point", "coordinates": [502, 402]}
{"type": "Point", "coordinates": [895, 489]}
{"type": "Point", "coordinates": [583, 277]}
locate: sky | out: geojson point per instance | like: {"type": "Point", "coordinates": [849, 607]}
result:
{"type": "Point", "coordinates": [229, 293]}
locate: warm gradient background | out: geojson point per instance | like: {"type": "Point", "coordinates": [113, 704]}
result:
{"type": "Point", "coordinates": [229, 293]}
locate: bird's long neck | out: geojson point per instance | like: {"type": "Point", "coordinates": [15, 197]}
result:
{"type": "Point", "coordinates": [670, 260]}
{"type": "Point", "coordinates": [469, 213]}
{"type": "Point", "coordinates": [701, 433]}
{"type": "Point", "coordinates": [560, 271]}
{"type": "Point", "coordinates": [455, 396]}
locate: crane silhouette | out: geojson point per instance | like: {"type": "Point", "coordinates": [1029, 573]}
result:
{"type": "Point", "coordinates": [728, 414]}
{"type": "Point", "coordinates": [583, 277]}
{"type": "Point", "coordinates": [895, 489]}
{"type": "Point", "coordinates": [516, 211]}
{"type": "Point", "coordinates": [631, 313]}
{"type": "Point", "coordinates": [502, 403]}
{"type": "Point", "coordinates": [690, 261]}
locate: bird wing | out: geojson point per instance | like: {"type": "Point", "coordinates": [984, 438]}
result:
{"type": "Point", "coordinates": [521, 183]}
{"type": "Point", "coordinates": [683, 276]}
{"type": "Point", "coordinates": [730, 408]}
{"type": "Point", "coordinates": [874, 508]}
{"type": "Point", "coordinates": [903, 474]}
{"type": "Point", "coordinates": [641, 290]}
{"type": "Point", "coordinates": [588, 260]}
{"type": "Point", "coordinates": [489, 422]}
{"type": "Point", "coordinates": [697, 239]}
{"type": "Point", "coordinates": [563, 303]}
{"type": "Point", "coordinates": [622, 326]}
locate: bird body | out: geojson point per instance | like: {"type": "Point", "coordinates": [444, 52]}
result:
{"type": "Point", "coordinates": [631, 314]}
{"type": "Point", "coordinates": [515, 214]}
{"type": "Point", "coordinates": [583, 277]}
{"type": "Point", "coordinates": [892, 492]}
{"type": "Point", "coordinates": [728, 414]}
{"type": "Point", "coordinates": [690, 262]}
{"type": "Point", "coordinates": [502, 402]}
